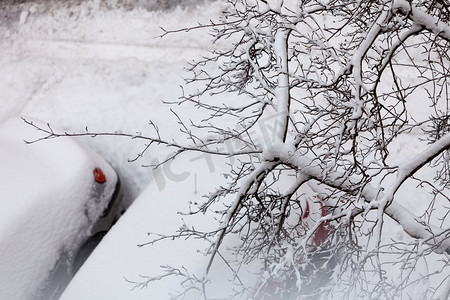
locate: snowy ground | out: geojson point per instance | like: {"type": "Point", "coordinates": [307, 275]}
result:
{"type": "Point", "coordinates": [79, 66]}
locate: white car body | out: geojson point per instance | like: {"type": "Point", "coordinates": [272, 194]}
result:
{"type": "Point", "coordinates": [50, 205]}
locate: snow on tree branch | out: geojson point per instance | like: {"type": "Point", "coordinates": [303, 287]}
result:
{"type": "Point", "coordinates": [420, 18]}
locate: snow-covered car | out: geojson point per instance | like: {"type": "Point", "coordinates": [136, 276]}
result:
{"type": "Point", "coordinates": [321, 255]}
{"type": "Point", "coordinates": [58, 198]}
{"type": "Point", "coordinates": [119, 269]}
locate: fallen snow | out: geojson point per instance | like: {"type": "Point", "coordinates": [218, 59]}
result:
{"type": "Point", "coordinates": [83, 66]}
{"type": "Point", "coordinates": [87, 66]}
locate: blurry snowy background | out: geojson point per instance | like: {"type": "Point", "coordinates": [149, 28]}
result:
{"type": "Point", "coordinates": [100, 65]}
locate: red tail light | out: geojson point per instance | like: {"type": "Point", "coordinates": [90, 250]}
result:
{"type": "Point", "coordinates": [99, 175]}
{"type": "Point", "coordinates": [306, 212]}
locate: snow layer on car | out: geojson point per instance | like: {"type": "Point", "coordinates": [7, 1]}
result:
{"type": "Point", "coordinates": [46, 205]}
